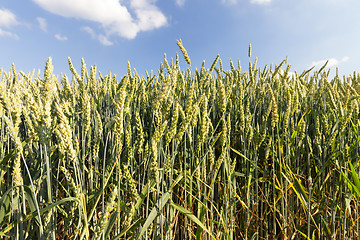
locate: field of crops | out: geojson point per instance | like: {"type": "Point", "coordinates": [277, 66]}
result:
{"type": "Point", "coordinates": [181, 154]}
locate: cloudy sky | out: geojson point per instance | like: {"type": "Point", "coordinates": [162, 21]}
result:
{"type": "Point", "coordinates": [109, 33]}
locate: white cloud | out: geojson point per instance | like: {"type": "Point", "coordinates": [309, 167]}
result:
{"type": "Point", "coordinates": [260, 1]}
{"type": "Point", "coordinates": [42, 23]}
{"type": "Point", "coordinates": [8, 34]}
{"type": "Point", "coordinates": [345, 59]}
{"type": "Point", "coordinates": [7, 18]}
{"type": "Point", "coordinates": [104, 40]}
{"type": "Point", "coordinates": [60, 37]}
{"type": "Point", "coordinates": [233, 2]}
{"type": "Point", "coordinates": [100, 37]}
{"type": "Point", "coordinates": [113, 16]}
{"type": "Point", "coordinates": [180, 3]}
{"type": "Point", "coordinates": [332, 62]}
{"type": "Point", "coordinates": [230, 2]}
{"type": "Point", "coordinates": [90, 31]}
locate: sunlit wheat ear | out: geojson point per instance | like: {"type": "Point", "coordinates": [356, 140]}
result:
{"type": "Point", "coordinates": [249, 52]}
{"type": "Point", "coordinates": [74, 72]}
{"type": "Point", "coordinates": [177, 61]}
{"type": "Point", "coordinates": [128, 137]}
{"type": "Point", "coordinates": [166, 63]}
{"type": "Point", "coordinates": [232, 66]}
{"type": "Point", "coordinates": [16, 172]}
{"type": "Point", "coordinates": [222, 97]}
{"type": "Point", "coordinates": [213, 66]}
{"type": "Point", "coordinates": [318, 134]}
{"type": "Point", "coordinates": [13, 107]}
{"type": "Point", "coordinates": [288, 110]}
{"type": "Point", "coordinates": [86, 109]}
{"type": "Point", "coordinates": [242, 116]}
{"type": "Point", "coordinates": [139, 141]}
{"type": "Point", "coordinates": [204, 127]}
{"type": "Point", "coordinates": [184, 52]}
{"type": "Point", "coordinates": [275, 115]}
{"type": "Point", "coordinates": [64, 133]}
{"type": "Point", "coordinates": [119, 124]}
{"type": "Point", "coordinates": [84, 72]}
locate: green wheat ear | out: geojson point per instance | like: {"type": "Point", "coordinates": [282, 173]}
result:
{"type": "Point", "coordinates": [184, 52]}
{"type": "Point", "coordinates": [249, 53]}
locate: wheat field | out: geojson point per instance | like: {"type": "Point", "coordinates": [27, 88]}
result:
{"type": "Point", "coordinates": [180, 154]}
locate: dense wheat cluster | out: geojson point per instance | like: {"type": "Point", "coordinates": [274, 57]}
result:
{"type": "Point", "coordinates": [180, 154]}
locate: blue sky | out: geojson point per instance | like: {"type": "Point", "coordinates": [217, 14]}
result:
{"type": "Point", "coordinates": [109, 33]}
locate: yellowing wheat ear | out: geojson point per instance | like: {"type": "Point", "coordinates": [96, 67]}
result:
{"type": "Point", "coordinates": [249, 52]}
{"type": "Point", "coordinates": [184, 52]}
